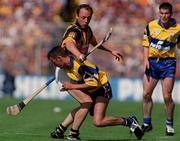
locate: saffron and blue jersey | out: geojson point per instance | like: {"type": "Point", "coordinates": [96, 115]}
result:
{"type": "Point", "coordinates": [86, 73]}
{"type": "Point", "coordinates": [161, 44]}
{"type": "Point", "coordinates": [160, 41]}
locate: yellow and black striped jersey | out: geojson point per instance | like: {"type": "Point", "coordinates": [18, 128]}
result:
{"type": "Point", "coordinates": [160, 41]}
{"type": "Point", "coordinates": [81, 37]}
{"type": "Point", "coordinates": [86, 73]}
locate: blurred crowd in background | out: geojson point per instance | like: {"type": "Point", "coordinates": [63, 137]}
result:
{"type": "Point", "coordinates": [29, 28]}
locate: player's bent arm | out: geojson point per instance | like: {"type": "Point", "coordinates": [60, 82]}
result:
{"type": "Point", "coordinates": [71, 86]}
{"type": "Point", "coordinates": [115, 53]}
{"type": "Point", "coordinates": [70, 45]}
{"type": "Point", "coordinates": [146, 52]}
{"type": "Point", "coordinates": [94, 43]}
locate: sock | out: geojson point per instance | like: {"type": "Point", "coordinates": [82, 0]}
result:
{"type": "Point", "coordinates": [147, 121]}
{"type": "Point", "coordinates": [62, 128]}
{"type": "Point", "coordinates": [169, 122]}
{"type": "Point", "coordinates": [74, 133]}
{"type": "Point", "coordinates": [128, 121]}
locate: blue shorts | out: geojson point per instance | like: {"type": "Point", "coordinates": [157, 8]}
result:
{"type": "Point", "coordinates": [162, 68]}
{"type": "Point", "coordinates": [104, 91]}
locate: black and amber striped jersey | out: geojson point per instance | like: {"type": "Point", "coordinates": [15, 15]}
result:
{"type": "Point", "coordinates": [81, 37]}
{"type": "Point", "coordinates": [160, 41]}
{"type": "Point", "coordinates": [87, 73]}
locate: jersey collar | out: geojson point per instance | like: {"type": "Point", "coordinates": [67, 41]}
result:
{"type": "Point", "coordinates": [172, 21]}
{"type": "Point", "coordinates": [84, 29]}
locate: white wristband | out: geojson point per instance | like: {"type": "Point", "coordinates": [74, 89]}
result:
{"type": "Point", "coordinates": [81, 57]}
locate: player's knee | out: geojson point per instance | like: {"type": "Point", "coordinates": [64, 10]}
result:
{"type": "Point", "coordinates": [168, 99]}
{"type": "Point", "coordinates": [147, 96]}
{"type": "Point", "coordinates": [87, 104]}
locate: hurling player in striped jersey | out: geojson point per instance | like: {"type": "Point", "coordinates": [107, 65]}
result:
{"type": "Point", "coordinates": [94, 96]}
{"type": "Point", "coordinates": [78, 36]}
{"type": "Point", "coordinates": [161, 37]}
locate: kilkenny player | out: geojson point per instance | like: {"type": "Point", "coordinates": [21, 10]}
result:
{"type": "Point", "coordinates": [79, 36]}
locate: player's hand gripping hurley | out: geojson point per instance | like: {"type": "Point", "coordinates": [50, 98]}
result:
{"type": "Point", "coordinates": [101, 42]}
{"type": "Point", "coordinates": [16, 109]}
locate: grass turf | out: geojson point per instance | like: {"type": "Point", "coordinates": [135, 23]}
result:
{"type": "Point", "coordinates": [37, 121]}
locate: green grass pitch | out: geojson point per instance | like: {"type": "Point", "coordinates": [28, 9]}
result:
{"type": "Point", "coordinates": [37, 120]}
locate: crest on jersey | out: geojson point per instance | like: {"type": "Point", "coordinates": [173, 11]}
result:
{"type": "Point", "coordinates": [171, 34]}
{"type": "Point", "coordinates": [156, 31]}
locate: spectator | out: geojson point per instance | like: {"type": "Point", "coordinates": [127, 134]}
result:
{"type": "Point", "coordinates": [8, 87]}
{"type": "Point", "coordinates": [29, 28]}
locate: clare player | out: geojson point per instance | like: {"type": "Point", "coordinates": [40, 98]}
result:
{"type": "Point", "coordinates": [161, 37]}
{"type": "Point", "coordinates": [94, 94]}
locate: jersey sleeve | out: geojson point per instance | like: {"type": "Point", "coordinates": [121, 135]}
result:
{"type": "Point", "coordinates": [146, 35]}
{"type": "Point", "coordinates": [73, 35]}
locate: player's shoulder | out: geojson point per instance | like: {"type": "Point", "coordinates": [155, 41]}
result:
{"type": "Point", "coordinates": [178, 26]}
{"type": "Point", "coordinates": [74, 28]}
{"type": "Point", "coordinates": [73, 31]}
{"type": "Point", "coordinates": [175, 24]}
{"type": "Point", "coordinates": [153, 22]}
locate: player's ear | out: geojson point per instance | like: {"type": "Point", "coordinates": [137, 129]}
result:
{"type": "Point", "coordinates": [77, 16]}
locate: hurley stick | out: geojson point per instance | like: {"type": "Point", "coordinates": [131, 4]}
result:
{"type": "Point", "coordinates": [16, 109]}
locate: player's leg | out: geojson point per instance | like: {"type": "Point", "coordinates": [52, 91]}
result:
{"type": "Point", "coordinates": [101, 100]}
{"type": "Point", "coordinates": [76, 116]}
{"type": "Point", "coordinates": [80, 113]}
{"type": "Point", "coordinates": [100, 119]}
{"type": "Point", "coordinates": [167, 87]}
{"type": "Point", "coordinates": [148, 86]}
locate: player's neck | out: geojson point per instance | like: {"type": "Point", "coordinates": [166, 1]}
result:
{"type": "Point", "coordinates": [166, 25]}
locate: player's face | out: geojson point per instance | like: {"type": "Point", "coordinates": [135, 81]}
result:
{"type": "Point", "coordinates": [58, 61]}
{"type": "Point", "coordinates": [84, 17]}
{"type": "Point", "coordinates": [164, 15]}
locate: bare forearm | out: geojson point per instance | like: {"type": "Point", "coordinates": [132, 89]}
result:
{"type": "Point", "coordinates": [72, 48]}
{"type": "Point", "coordinates": [146, 52]}
{"type": "Point", "coordinates": [105, 48]}
{"type": "Point", "coordinates": [146, 55]}
{"type": "Point", "coordinates": [94, 43]}
{"type": "Point", "coordinates": [81, 86]}
{"type": "Point", "coordinates": [72, 86]}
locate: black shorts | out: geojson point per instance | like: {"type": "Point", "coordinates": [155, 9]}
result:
{"type": "Point", "coordinates": [104, 91]}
